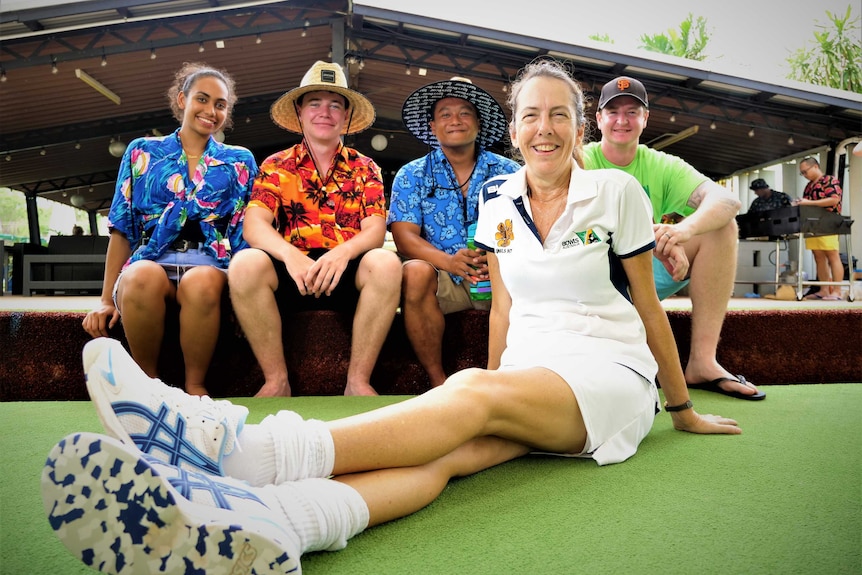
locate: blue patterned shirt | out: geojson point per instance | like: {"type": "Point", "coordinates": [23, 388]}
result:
{"type": "Point", "coordinates": [154, 194]}
{"type": "Point", "coordinates": [426, 193]}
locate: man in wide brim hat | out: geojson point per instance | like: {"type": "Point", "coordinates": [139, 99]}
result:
{"type": "Point", "coordinates": [316, 222]}
{"type": "Point", "coordinates": [330, 77]}
{"type": "Point", "coordinates": [434, 200]}
{"type": "Point", "coordinates": [418, 108]}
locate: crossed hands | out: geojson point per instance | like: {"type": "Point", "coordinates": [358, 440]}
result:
{"type": "Point", "coordinates": [669, 249]}
{"type": "Point", "coordinates": [472, 265]}
{"type": "Point", "coordinates": [318, 277]}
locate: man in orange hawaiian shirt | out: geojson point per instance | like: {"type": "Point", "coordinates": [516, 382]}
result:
{"type": "Point", "coordinates": [316, 224]}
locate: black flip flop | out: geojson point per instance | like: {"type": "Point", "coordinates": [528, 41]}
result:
{"type": "Point", "coordinates": [713, 386]}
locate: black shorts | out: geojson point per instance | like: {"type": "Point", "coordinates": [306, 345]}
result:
{"type": "Point", "coordinates": [343, 298]}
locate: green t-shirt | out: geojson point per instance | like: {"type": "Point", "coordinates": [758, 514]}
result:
{"type": "Point", "coordinates": [668, 180]}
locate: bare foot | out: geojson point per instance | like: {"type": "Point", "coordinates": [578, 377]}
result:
{"type": "Point", "coordinates": [272, 389]}
{"type": "Point", "coordinates": [359, 389]}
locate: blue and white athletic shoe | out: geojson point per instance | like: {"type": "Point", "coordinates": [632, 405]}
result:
{"type": "Point", "coordinates": [120, 511]}
{"type": "Point", "coordinates": [188, 431]}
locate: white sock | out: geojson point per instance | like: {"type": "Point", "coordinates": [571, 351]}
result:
{"type": "Point", "coordinates": [283, 447]}
{"type": "Point", "coordinates": [324, 513]}
{"type": "Point", "coordinates": [303, 448]}
{"type": "Point", "coordinates": [253, 456]}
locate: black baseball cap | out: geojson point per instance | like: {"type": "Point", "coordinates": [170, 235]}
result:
{"type": "Point", "coordinates": [623, 86]}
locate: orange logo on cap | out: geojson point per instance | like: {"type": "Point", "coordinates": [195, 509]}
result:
{"type": "Point", "coordinates": [623, 84]}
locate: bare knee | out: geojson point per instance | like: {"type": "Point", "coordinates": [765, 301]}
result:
{"type": "Point", "coordinates": [202, 287]}
{"type": "Point", "coordinates": [419, 282]}
{"type": "Point", "coordinates": [144, 281]}
{"type": "Point", "coordinates": [474, 386]}
{"type": "Point", "coordinates": [249, 270]}
{"type": "Point", "coordinates": [381, 268]}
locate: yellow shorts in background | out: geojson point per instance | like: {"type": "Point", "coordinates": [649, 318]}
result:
{"type": "Point", "coordinates": [822, 243]}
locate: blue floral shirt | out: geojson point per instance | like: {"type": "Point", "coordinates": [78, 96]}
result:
{"type": "Point", "coordinates": [426, 193]}
{"type": "Point", "coordinates": [154, 195]}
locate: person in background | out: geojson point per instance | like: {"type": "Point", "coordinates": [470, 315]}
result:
{"type": "Point", "coordinates": [823, 190]}
{"type": "Point", "coordinates": [695, 229]}
{"type": "Point", "coordinates": [77, 230]}
{"type": "Point", "coordinates": [434, 201]}
{"type": "Point", "coordinates": [577, 336]}
{"type": "Point", "coordinates": [767, 198]}
{"type": "Point", "coordinates": [175, 223]}
{"type": "Point", "coordinates": [316, 224]}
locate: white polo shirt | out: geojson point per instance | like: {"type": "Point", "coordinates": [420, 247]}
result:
{"type": "Point", "coordinates": [570, 296]}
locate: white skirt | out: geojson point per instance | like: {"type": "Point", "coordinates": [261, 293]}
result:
{"type": "Point", "coordinates": [618, 404]}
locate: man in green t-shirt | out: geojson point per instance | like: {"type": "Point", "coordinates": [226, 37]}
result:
{"type": "Point", "coordinates": [695, 228]}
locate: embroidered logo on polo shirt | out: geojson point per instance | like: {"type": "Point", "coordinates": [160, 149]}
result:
{"type": "Point", "coordinates": [582, 239]}
{"type": "Point", "coordinates": [588, 237]}
{"type": "Point", "coordinates": [504, 235]}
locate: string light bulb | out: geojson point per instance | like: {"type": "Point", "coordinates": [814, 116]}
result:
{"type": "Point", "coordinates": [2, 75]}
{"type": "Point", "coordinates": [116, 147]}
{"type": "Point", "coordinates": [673, 117]}
{"type": "Point", "coordinates": [104, 59]}
{"type": "Point", "coordinates": [201, 47]}
{"type": "Point", "coordinates": [258, 39]}
{"type": "Point", "coordinates": [153, 54]}
{"type": "Point", "coordinates": [790, 140]}
{"type": "Point", "coordinates": [407, 71]}
{"type": "Point", "coordinates": [54, 68]}
{"type": "Point", "coordinates": [712, 125]}
{"type": "Point", "coordinates": [751, 133]}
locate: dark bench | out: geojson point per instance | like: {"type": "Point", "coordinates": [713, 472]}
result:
{"type": "Point", "coordinates": [40, 352]}
{"type": "Point", "coordinates": [42, 355]}
{"type": "Point", "coordinates": [72, 264]}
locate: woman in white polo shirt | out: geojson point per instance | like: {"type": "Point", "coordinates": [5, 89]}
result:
{"type": "Point", "coordinates": [577, 339]}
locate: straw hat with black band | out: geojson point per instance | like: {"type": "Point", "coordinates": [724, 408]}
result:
{"type": "Point", "coordinates": [329, 77]}
{"type": "Point", "coordinates": [418, 108]}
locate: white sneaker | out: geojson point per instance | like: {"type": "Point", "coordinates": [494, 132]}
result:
{"type": "Point", "coordinates": [120, 511]}
{"type": "Point", "coordinates": [188, 431]}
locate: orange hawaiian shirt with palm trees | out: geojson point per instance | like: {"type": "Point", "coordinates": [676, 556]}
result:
{"type": "Point", "coordinates": [313, 211]}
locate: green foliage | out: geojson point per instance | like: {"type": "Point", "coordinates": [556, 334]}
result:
{"type": "Point", "coordinates": [54, 218]}
{"type": "Point", "coordinates": [601, 38]}
{"type": "Point", "coordinates": [13, 217]}
{"type": "Point", "coordinates": [836, 60]}
{"type": "Point", "coordinates": [688, 42]}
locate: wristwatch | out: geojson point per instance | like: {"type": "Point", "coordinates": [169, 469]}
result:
{"type": "Point", "coordinates": [681, 407]}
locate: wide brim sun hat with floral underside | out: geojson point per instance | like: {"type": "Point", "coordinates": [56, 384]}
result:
{"type": "Point", "coordinates": [417, 109]}
{"type": "Point", "coordinates": [328, 77]}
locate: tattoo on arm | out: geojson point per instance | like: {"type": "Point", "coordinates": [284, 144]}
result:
{"type": "Point", "coordinates": [696, 197]}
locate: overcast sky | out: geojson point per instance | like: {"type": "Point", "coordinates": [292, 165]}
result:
{"type": "Point", "coordinates": [750, 38]}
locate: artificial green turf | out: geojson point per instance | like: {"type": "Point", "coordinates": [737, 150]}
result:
{"type": "Point", "coordinates": [784, 497]}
